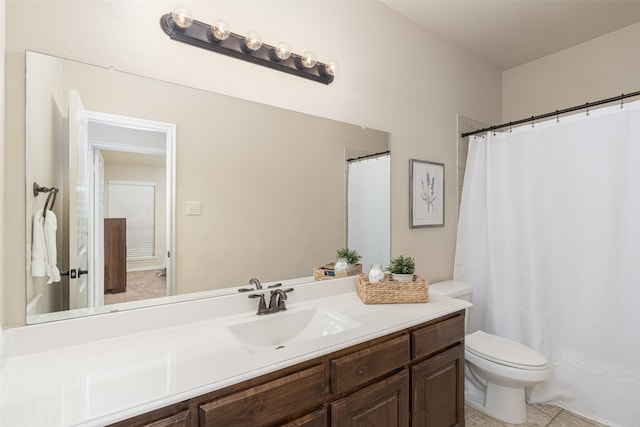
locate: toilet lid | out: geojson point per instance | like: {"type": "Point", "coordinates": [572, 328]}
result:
{"type": "Point", "coordinates": [504, 351]}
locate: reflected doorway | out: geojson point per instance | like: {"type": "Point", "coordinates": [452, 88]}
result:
{"type": "Point", "coordinates": [128, 153]}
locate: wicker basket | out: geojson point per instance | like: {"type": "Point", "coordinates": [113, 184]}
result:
{"type": "Point", "coordinates": [390, 292]}
{"type": "Point", "coordinates": [327, 272]}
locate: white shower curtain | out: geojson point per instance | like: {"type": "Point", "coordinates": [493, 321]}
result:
{"type": "Point", "coordinates": [549, 238]}
{"type": "Point", "coordinates": [369, 210]}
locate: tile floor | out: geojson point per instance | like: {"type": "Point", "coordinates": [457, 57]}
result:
{"type": "Point", "coordinates": [539, 416]}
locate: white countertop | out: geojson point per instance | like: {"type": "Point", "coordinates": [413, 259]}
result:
{"type": "Point", "coordinates": [111, 367]}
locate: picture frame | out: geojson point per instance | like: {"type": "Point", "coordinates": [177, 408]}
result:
{"type": "Point", "coordinates": [426, 194]}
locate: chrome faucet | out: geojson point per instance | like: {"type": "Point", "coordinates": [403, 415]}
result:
{"type": "Point", "coordinates": [278, 297]}
{"type": "Point", "coordinates": [255, 282]}
{"type": "Point", "coordinates": [276, 301]}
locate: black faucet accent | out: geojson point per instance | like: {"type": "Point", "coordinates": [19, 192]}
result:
{"type": "Point", "coordinates": [276, 301]}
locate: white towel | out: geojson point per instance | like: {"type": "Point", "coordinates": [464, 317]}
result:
{"type": "Point", "coordinates": [50, 228]}
{"type": "Point", "coordinates": [44, 255]}
{"type": "Point", "coordinates": [38, 255]}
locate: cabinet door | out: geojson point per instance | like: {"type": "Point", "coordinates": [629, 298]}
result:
{"type": "Point", "coordinates": [384, 403]}
{"type": "Point", "coordinates": [438, 390]}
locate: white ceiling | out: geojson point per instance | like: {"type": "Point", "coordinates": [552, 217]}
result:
{"type": "Point", "coordinates": [509, 33]}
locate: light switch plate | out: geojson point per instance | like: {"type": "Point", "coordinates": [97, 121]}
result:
{"type": "Point", "coordinates": [194, 207]}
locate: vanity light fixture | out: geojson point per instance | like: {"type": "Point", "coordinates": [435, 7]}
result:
{"type": "Point", "coordinates": [180, 26]}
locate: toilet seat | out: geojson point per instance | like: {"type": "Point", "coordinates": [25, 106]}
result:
{"type": "Point", "coordinates": [504, 351]}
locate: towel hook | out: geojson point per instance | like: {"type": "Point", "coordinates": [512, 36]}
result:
{"type": "Point", "coordinates": [53, 191]}
{"type": "Point", "coordinates": [37, 189]}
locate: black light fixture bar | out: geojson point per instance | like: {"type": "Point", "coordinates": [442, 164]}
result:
{"type": "Point", "coordinates": [199, 34]}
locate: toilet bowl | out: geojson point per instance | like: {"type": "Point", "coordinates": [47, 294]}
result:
{"type": "Point", "coordinates": [497, 369]}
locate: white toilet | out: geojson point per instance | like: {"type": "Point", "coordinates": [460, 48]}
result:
{"type": "Point", "coordinates": [497, 369]}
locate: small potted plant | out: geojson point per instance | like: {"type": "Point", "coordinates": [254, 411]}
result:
{"type": "Point", "coordinates": [402, 268]}
{"type": "Point", "coordinates": [346, 258]}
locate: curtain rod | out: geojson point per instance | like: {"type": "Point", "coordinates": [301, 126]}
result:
{"type": "Point", "coordinates": [369, 156]}
{"type": "Point", "coordinates": [556, 113]}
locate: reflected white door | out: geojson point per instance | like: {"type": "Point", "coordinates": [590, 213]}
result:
{"type": "Point", "coordinates": [78, 204]}
{"type": "Point", "coordinates": [96, 263]}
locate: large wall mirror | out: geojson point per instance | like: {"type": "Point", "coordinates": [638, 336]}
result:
{"type": "Point", "coordinates": [187, 193]}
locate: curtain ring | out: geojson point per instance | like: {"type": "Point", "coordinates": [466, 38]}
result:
{"type": "Point", "coordinates": [557, 117]}
{"type": "Point", "coordinates": [510, 130]}
{"type": "Point", "coordinates": [587, 107]}
{"type": "Point", "coordinates": [622, 101]}
{"type": "Point", "coordinates": [532, 122]}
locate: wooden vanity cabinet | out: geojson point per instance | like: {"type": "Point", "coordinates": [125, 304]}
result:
{"type": "Point", "coordinates": [413, 377]}
{"type": "Point", "coordinates": [437, 375]}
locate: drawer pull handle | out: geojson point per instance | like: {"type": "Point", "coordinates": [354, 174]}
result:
{"type": "Point", "coordinates": [361, 371]}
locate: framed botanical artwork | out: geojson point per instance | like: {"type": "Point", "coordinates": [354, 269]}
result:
{"type": "Point", "coordinates": [426, 194]}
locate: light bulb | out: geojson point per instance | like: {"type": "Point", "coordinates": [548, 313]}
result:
{"type": "Point", "coordinates": [308, 59]}
{"type": "Point", "coordinates": [332, 68]}
{"type": "Point", "coordinates": [182, 17]}
{"type": "Point", "coordinates": [220, 30]}
{"type": "Point", "coordinates": [253, 41]}
{"type": "Point", "coordinates": [282, 50]}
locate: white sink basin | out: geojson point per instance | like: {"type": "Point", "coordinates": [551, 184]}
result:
{"type": "Point", "coordinates": [275, 331]}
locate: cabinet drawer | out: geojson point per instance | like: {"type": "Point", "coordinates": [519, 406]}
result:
{"type": "Point", "coordinates": [317, 419]}
{"type": "Point", "coordinates": [433, 338]}
{"type": "Point", "coordinates": [350, 371]}
{"type": "Point", "coordinates": [267, 403]}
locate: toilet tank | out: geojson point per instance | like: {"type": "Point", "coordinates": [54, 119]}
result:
{"type": "Point", "coordinates": [452, 288]}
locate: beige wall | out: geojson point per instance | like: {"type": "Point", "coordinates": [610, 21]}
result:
{"type": "Point", "coordinates": [402, 80]}
{"type": "Point", "coordinates": [598, 69]}
{"type": "Point", "coordinates": [44, 169]}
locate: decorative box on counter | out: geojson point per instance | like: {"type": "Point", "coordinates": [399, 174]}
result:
{"type": "Point", "coordinates": [388, 291]}
{"type": "Point", "coordinates": [328, 272]}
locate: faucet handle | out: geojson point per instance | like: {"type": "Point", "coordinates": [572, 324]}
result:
{"type": "Point", "coordinates": [262, 305]}
{"type": "Point", "coordinates": [274, 285]}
